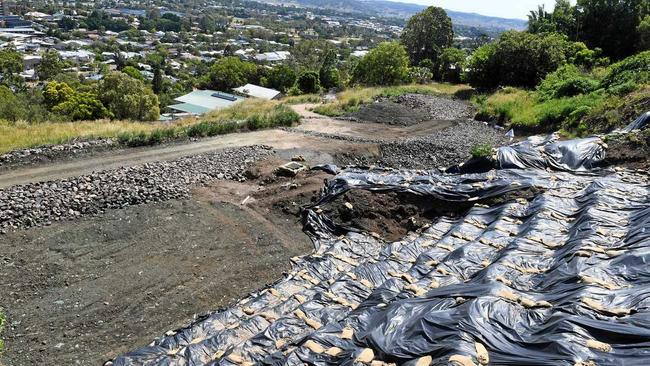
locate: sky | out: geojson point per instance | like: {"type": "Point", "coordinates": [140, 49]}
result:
{"type": "Point", "coordinates": [499, 8]}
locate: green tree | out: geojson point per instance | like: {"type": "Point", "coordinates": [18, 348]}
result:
{"type": "Point", "coordinates": [229, 72]}
{"type": "Point", "coordinates": [133, 72]}
{"type": "Point", "coordinates": [329, 74]}
{"type": "Point", "coordinates": [281, 77]}
{"type": "Point", "coordinates": [51, 65]}
{"type": "Point", "coordinates": [387, 64]}
{"type": "Point", "coordinates": [427, 33]}
{"type": "Point", "coordinates": [56, 93]}
{"type": "Point", "coordinates": [82, 107]}
{"type": "Point", "coordinates": [308, 82]}
{"type": "Point", "coordinates": [128, 98]}
{"type": "Point", "coordinates": [452, 61]}
{"type": "Point", "coordinates": [10, 107]}
{"type": "Point", "coordinates": [157, 83]}
{"type": "Point", "coordinates": [68, 23]}
{"type": "Point", "coordinates": [520, 59]}
{"type": "Point", "coordinates": [611, 25]}
{"type": "Point", "coordinates": [644, 34]}
{"type": "Point", "coordinates": [11, 65]}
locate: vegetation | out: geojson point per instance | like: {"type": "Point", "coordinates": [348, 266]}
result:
{"type": "Point", "coordinates": [482, 151]}
{"type": "Point", "coordinates": [128, 98]}
{"type": "Point", "coordinates": [387, 64]}
{"type": "Point", "coordinates": [523, 59]}
{"type": "Point", "coordinates": [572, 99]}
{"type": "Point", "coordinates": [615, 26]}
{"type": "Point", "coordinates": [308, 82]}
{"type": "Point", "coordinates": [228, 73]}
{"type": "Point", "coordinates": [427, 34]}
{"type": "Point", "coordinates": [248, 115]}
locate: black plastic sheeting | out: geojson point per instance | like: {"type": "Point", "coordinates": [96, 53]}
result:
{"type": "Point", "coordinates": [548, 152]}
{"type": "Point", "coordinates": [639, 124]}
{"type": "Point", "coordinates": [560, 277]}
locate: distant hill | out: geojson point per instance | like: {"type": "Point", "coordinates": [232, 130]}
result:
{"type": "Point", "coordinates": [404, 10]}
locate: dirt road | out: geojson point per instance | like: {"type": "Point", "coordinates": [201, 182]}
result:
{"type": "Point", "coordinates": [278, 139]}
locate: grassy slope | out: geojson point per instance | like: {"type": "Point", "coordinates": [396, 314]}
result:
{"type": "Point", "coordinates": [256, 114]}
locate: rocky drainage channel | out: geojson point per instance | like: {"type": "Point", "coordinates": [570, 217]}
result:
{"type": "Point", "coordinates": [39, 204]}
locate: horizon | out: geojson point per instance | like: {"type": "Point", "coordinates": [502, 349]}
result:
{"type": "Point", "coordinates": [493, 8]}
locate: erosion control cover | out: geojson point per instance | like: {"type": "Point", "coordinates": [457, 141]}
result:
{"type": "Point", "coordinates": [558, 278]}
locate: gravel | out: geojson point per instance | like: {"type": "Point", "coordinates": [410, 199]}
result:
{"type": "Point", "coordinates": [51, 152]}
{"type": "Point", "coordinates": [39, 204]}
{"type": "Point", "coordinates": [445, 148]}
{"type": "Point", "coordinates": [411, 109]}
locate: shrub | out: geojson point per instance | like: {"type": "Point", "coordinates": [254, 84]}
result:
{"type": "Point", "coordinates": [481, 151]}
{"type": "Point", "coordinates": [520, 59]}
{"type": "Point", "coordinates": [567, 81]}
{"type": "Point", "coordinates": [308, 82]}
{"type": "Point", "coordinates": [628, 75]}
{"type": "Point", "coordinates": [211, 128]}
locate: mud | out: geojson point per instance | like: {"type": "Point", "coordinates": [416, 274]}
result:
{"type": "Point", "coordinates": [630, 151]}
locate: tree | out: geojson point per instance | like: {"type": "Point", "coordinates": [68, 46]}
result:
{"type": "Point", "coordinates": [56, 93]}
{"type": "Point", "coordinates": [387, 64]}
{"type": "Point", "coordinates": [157, 83]}
{"type": "Point", "coordinates": [521, 59]}
{"type": "Point", "coordinates": [68, 23]}
{"type": "Point", "coordinates": [10, 107]}
{"type": "Point", "coordinates": [281, 77]}
{"type": "Point", "coordinates": [128, 98]}
{"type": "Point", "coordinates": [427, 33]}
{"type": "Point", "coordinates": [611, 25]}
{"type": "Point", "coordinates": [229, 72]}
{"type": "Point", "coordinates": [82, 107]}
{"type": "Point", "coordinates": [51, 65]}
{"type": "Point", "coordinates": [452, 61]}
{"type": "Point", "coordinates": [329, 74]}
{"type": "Point", "coordinates": [11, 65]}
{"type": "Point", "coordinates": [644, 34]}
{"type": "Point", "coordinates": [133, 72]}
{"type": "Point", "coordinates": [308, 82]}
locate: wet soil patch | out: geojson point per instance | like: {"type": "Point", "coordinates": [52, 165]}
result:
{"type": "Point", "coordinates": [630, 151]}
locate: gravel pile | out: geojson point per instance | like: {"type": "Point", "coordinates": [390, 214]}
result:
{"type": "Point", "coordinates": [412, 109]}
{"type": "Point", "coordinates": [51, 152]}
{"type": "Point", "coordinates": [437, 107]}
{"type": "Point", "coordinates": [40, 204]}
{"type": "Point", "coordinates": [445, 148]}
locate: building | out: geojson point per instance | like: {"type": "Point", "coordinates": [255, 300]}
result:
{"type": "Point", "coordinates": [202, 101]}
{"type": "Point", "coordinates": [273, 56]}
{"type": "Point", "coordinates": [4, 8]}
{"type": "Point", "coordinates": [255, 91]}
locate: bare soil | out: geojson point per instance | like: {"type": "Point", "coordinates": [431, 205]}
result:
{"type": "Point", "coordinates": [83, 292]}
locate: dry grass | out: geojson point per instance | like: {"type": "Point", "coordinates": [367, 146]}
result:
{"type": "Point", "coordinates": [23, 135]}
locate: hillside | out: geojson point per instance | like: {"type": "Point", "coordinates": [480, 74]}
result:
{"type": "Point", "coordinates": [404, 10]}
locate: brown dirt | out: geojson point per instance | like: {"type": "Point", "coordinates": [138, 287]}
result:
{"type": "Point", "coordinates": [83, 292]}
{"type": "Point", "coordinates": [630, 151]}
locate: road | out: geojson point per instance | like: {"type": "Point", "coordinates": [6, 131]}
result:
{"type": "Point", "coordinates": [278, 139]}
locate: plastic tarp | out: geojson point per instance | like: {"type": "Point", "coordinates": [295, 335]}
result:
{"type": "Point", "coordinates": [549, 152]}
{"type": "Point", "coordinates": [639, 124]}
{"type": "Point", "coordinates": [559, 277]}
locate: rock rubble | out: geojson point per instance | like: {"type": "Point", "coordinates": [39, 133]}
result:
{"type": "Point", "coordinates": [42, 203]}
{"type": "Point", "coordinates": [51, 152]}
